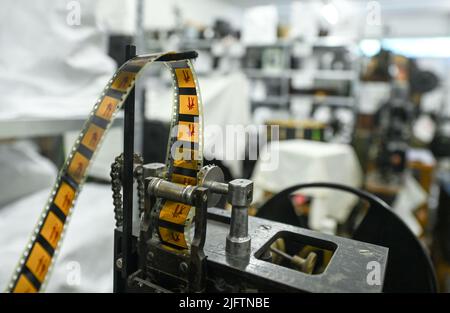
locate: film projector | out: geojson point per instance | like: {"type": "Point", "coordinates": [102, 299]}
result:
{"type": "Point", "coordinates": [220, 251]}
{"type": "Point", "coordinates": [169, 236]}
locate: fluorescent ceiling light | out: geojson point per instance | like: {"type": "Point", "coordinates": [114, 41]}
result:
{"type": "Point", "coordinates": [415, 47]}
{"type": "Point", "coordinates": [432, 47]}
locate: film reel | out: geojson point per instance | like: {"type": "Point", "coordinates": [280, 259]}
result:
{"type": "Point", "coordinates": [184, 159]}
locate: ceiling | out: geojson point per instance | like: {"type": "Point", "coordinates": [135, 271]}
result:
{"type": "Point", "coordinates": [387, 5]}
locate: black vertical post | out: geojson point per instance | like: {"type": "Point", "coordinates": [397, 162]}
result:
{"type": "Point", "coordinates": [127, 176]}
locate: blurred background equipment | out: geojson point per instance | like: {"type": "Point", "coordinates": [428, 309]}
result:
{"type": "Point", "coordinates": [393, 121]}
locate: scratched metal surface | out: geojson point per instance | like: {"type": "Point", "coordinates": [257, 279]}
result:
{"type": "Point", "coordinates": [346, 272]}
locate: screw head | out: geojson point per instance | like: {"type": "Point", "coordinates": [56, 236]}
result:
{"type": "Point", "coordinates": [184, 267]}
{"type": "Point", "coordinates": [264, 227]}
{"type": "Point", "coordinates": [119, 263]}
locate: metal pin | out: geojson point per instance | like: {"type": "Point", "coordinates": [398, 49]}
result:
{"type": "Point", "coordinates": [305, 265]}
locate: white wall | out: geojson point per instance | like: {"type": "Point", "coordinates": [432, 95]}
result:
{"type": "Point", "coordinates": [119, 16]}
{"type": "Point", "coordinates": [417, 24]}
{"type": "Point", "coordinates": [159, 14]}
{"type": "Point", "coordinates": [410, 18]}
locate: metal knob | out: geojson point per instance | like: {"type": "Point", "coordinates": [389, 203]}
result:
{"type": "Point", "coordinates": [240, 195]}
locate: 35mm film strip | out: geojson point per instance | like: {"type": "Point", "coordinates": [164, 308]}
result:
{"type": "Point", "coordinates": [184, 159]}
